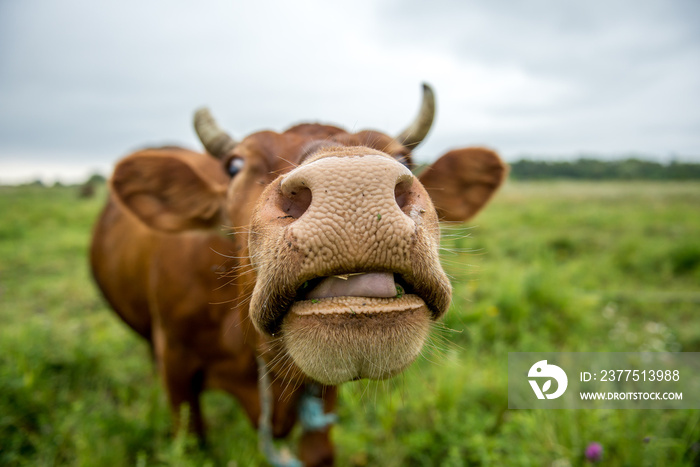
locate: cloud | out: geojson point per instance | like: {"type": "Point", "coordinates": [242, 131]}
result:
{"type": "Point", "coordinates": [93, 80]}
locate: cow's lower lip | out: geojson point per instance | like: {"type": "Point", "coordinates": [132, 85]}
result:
{"type": "Point", "coordinates": [339, 339]}
{"type": "Point", "coordinates": [355, 305]}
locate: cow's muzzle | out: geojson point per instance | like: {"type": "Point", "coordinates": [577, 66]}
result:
{"type": "Point", "coordinates": [346, 251]}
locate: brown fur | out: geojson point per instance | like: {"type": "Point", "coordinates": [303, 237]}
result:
{"type": "Point", "coordinates": [164, 263]}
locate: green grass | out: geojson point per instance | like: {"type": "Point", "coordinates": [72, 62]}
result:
{"type": "Point", "coordinates": [549, 266]}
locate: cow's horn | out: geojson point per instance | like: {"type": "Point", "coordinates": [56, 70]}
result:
{"type": "Point", "coordinates": [418, 130]}
{"type": "Point", "coordinates": [216, 141]}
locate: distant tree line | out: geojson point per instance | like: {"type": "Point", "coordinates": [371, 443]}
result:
{"type": "Point", "coordinates": [594, 169]}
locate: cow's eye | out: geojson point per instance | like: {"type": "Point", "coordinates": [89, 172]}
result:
{"type": "Point", "coordinates": [234, 166]}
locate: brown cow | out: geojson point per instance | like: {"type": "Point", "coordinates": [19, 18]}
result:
{"type": "Point", "coordinates": [313, 251]}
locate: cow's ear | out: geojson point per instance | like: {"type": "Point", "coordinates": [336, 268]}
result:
{"type": "Point", "coordinates": [167, 193]}
{"type": "Point", "coordinates": [462, 181]}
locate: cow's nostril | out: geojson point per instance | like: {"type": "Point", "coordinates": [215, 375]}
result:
{"type": "Point", "coordinates": [296, 202]}
{"type": "Point", "coordinates": [401, 192]}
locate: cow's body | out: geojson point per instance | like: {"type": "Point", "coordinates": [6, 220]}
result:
{"type": "Point", "coordinates": [182, 291]}
{"type": "Point", "coordinates": [171, 253]}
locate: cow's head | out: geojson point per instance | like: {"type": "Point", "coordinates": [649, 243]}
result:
{"type": "Point", "coordinates": [341, 236]}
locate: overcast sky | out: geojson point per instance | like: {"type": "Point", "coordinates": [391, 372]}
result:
{"type": "Point", "coordinates": [84, 82]}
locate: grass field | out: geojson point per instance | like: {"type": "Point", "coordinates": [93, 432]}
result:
{"type": "Point", "coordinates": [549, 266]}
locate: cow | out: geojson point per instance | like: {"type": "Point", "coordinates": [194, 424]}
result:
{"type": "Point", "coordinates": [306, 258]}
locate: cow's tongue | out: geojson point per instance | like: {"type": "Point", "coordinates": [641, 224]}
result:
{"type": "Point", "coordinates": [372, 284]}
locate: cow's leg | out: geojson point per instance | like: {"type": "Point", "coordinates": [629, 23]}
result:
{"type": "Point", "coordinates": [184, 382]}
{"type": "Point", "coordinates": [239, 377]}
{"type": "Point", "coordinates": [183, 378]}
{"type": "Point", "coordinates": [315, 447]}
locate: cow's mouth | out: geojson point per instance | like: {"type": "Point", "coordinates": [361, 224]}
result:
{"type": "Point", "coordinates": [358, 325]}
{"type": "Point", "coordinates": [359, 284]}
